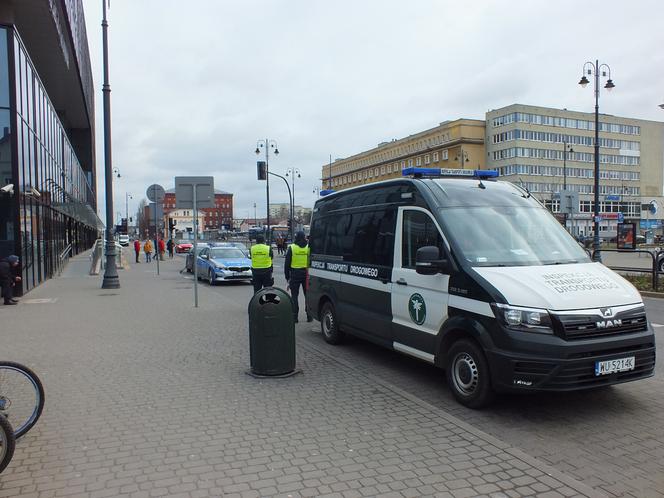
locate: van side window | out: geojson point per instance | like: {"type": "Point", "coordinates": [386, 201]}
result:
{"type": "Point", "coordinates": [370, 237]}
{"type": "Point", "coordinates": [419, 230]}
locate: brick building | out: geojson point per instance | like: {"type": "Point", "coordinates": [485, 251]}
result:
{"type": "Point", "coordinates": [218, 217]}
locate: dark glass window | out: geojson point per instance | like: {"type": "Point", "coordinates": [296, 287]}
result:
{"type": "Point", "coordinates": [4, 70]}
{"type": "Point", "coordinates": [419, 230]}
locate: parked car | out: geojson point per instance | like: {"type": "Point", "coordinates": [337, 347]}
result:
{"type": "Point", "coordinates": [189, 260]}
{"type": "Point", "coordinates": [239, 245]}
{"type": "Point", "coordinates": [183, 246]}
{"type": "Point", "coordinates": [223, 263]}
{"type": "Point", "coordinates": [123, 239]}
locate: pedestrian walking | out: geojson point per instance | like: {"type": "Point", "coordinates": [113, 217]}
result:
{"type": "Point", "coordinates": [147, 248]}
{"type": "Point", "coordinates": [261, 264]}
{"type": "Point", "coordinates": [170, 246]}
{"type": "Point", "coordinates": [162, 248]}
{"type": "Point", "coordinates": [137, 249]}
{"type": "Point", "coordinates": [295, 267]}
{"type": "Point", "coordinates": [280, 245]}
{"type": "Point", "coordinates": [9, 278]}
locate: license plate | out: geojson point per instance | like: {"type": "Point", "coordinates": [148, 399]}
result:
{"type": "Point", "coordinates": [613, 366]}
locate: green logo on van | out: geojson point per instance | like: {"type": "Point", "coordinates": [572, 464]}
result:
{"type": "Point", "coordinates": [417, 309]}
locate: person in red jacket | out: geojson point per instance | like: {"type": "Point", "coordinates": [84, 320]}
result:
{"type": "Point", "coordinates": [162, 249]}
{"type": "Point", "coordinates": [137, 249]}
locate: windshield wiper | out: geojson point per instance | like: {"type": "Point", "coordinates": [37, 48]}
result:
{"type": "Point", "coordinates": [565, 262]}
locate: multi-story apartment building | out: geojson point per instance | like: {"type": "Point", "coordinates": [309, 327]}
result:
{"type": "Point", "coordinates": [542, 148]}
{"type": "Point", "coordinates": [220, 217]}
{"type": "Point", "coordinates": [281, 211]}
{"type": "Point", "coordinates": [47, 151]}
{"type": "Point", "coordinates": [452, 144]}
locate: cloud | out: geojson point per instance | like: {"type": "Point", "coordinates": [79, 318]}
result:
{"type": "Point", "coordinates": [195, 86]}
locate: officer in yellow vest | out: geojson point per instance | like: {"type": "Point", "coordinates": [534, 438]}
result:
{"type": "Point", "coordinates": [295, 267]}
{"type": "Point", "coordinates": [261, 264]}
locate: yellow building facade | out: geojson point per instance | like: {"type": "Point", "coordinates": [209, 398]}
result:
{"type": "Point", "coordinates": [452, 144]}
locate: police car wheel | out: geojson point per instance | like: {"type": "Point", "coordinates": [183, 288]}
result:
{"type": "Point", "coordinates": [329, 325]}
{"type": "Point", "coordinates": [468, 374]}
{"type": "Point", "coordinates": [661, 265]}
{"type": "Point", "coordinates": [211, 277]}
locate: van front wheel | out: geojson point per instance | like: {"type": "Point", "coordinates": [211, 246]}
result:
{"type": "Point", "coordinates": [468, 374]}
{"type": "Point", "coordinates": [329, 325]}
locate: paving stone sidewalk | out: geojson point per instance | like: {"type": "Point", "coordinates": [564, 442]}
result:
{"type": "Point", "coordinates": [147, 396]}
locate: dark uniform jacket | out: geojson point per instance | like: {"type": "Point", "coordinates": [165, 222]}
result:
{"type": "Point", "coordinates": [296, 274]}
{"type": "Point", "coordinates": [7, 272]}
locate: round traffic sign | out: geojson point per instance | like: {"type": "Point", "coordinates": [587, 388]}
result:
{"type": "Point", "coordinates": [155, 193]}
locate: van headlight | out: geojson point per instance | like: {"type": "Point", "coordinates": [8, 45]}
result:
{"type": "Point", "coordinates": [523, 319]}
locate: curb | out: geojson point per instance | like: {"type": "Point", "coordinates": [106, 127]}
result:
{"type": "Point", "coordinates": [571, 482]}
{"type": "Point", "coordinates": [659, 295]}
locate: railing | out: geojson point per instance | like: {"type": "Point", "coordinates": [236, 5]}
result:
{"type": "Point", "coordinates": [63, 257]}
{"type": "Point", "coordinates": [656, 267]}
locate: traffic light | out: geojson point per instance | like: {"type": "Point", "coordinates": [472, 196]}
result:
{"type": "Point", "coordinates": [261, 170]}
{"type": "Point", "coordinates": [171, 224]}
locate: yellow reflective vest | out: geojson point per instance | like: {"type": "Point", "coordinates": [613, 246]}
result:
{"type": "Point", "coordinates": [260, 256]}
{"type": "Point", "coordinates": [299, 256]}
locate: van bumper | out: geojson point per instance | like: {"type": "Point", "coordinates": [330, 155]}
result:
{"type": "Point", "coordinates": [533, 363]}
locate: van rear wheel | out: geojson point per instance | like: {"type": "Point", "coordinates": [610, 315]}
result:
{"type": "Point", "coordinates": [468, 374]}
{"type": "Point", "coordinates": [329, 325]}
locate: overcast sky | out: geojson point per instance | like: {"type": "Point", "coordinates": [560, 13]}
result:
{"type": "Point", "coordinates": [195, 84]}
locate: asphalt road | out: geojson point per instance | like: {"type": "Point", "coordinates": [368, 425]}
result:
{"type": "Point", "coordinates": [611, 439]}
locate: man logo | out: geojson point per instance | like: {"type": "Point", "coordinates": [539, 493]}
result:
{"type": "Point", "coordinates": [417, 309]}
{"type": "Point", "coordinates": [606, 312]}
{"type": "Point", "coordinates": [605, 324]}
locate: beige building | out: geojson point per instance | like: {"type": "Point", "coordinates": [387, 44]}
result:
{"type": "Point", "coordinates": [541, 148]}
{"type": "Point", "coordinates": [184, 221]}
{"type": "Point", "coordinates": [281, 211]}
{"type": "Point", "coordinates": [452, 144]}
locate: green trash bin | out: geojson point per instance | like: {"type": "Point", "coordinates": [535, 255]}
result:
{"type": "Point", "coordinates": [271, 332]}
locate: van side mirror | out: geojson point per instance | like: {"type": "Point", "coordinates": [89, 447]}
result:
{"type": "Point", "coordinates": [429, 262]}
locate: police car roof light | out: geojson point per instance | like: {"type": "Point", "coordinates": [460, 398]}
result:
{"type": "Point", "coordinates": [448, 173]}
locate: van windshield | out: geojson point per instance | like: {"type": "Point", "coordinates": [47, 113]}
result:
{"type": "Point", "coordinates": [509, 236]}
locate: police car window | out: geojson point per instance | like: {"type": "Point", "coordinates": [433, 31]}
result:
{"type": "Point", "coordinates": [419, 230]}
{"type": "Point", "coordinates": [370, 237]}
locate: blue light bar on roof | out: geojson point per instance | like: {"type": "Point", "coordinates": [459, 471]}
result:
{"type": "Point", "coordinates": [323, 193]}
{"type": "Point", "coordinates": [448, 173]}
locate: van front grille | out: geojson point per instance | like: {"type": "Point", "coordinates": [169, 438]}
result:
{"type": "Point", "coordinates": [591, 326]}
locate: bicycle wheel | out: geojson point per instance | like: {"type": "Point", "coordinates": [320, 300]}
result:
{"type": "Point", "coordinates": [7, 443]}
{"type": "Point", "coordinates": [21, 396]}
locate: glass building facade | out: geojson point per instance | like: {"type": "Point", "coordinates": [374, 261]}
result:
{"type": "Point", "coordinates": [48, 213]}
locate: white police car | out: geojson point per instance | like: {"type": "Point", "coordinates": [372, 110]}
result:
{"type": "Point", "coordinates": [219, 264]}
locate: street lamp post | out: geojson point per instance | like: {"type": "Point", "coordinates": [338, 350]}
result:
{"type": "Point", "coordinates": [127, 197]}
{"type": "Point", "coordinates": [566, 148]}
{"type": "Point", "coordinates": [267, 144]}
{"type": "Point", "coordinates": [111, 278]}
{"type": "Point", "coordinates": [462, 157]}
{"type": "Point", "coordinates": [292, 172]}
{"type": "Point", "coordinates": [596, 69]}
{"type": "Point", "coordinates": [290, 195]}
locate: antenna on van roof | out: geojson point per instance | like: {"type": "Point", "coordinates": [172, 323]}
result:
{"type": "Point", "coordinates": [523, 187]}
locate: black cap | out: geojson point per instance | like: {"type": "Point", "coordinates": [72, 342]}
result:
{"type": "Point", "coordinates": [300, 237]}
{"type": "Point", "coordinates": [13, 259]}
{"type": "Point", "coordinates": [260, 239]}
